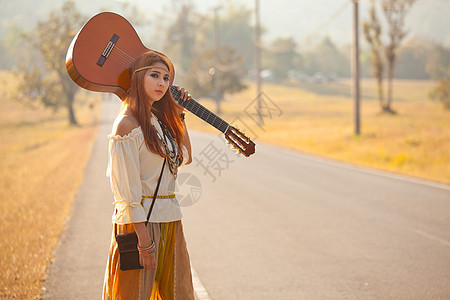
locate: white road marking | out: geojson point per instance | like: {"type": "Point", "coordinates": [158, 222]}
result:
{"type": "Point", "coordinates": [199, 289]}
{"type": "Point", "coordinates": [430, 236]}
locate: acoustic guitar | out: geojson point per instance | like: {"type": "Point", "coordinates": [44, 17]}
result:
{"type": "Point", "coordinates": [100, 56]}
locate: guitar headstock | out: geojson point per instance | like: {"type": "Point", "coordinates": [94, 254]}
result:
{"type": "Point", "coordinates": [239, 141]}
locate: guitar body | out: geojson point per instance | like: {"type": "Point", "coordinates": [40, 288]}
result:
{"type": "Point", "coordinates": [88, 47]}
{"type": "Point", "coordinates": [99, 58]}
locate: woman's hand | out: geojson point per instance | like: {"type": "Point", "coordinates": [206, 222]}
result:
{"type": "Point", "coordinates": [185, 96]}
{"type": "Point", "coordinates": [148, 261]}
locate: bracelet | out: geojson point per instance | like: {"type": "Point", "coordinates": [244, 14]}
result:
{"type": "Point", "coordinates": [146, 248]}
{"type": "Point", "coordinates": [182, 116]}
{"type": "Point", "coordinates": [147, 252]}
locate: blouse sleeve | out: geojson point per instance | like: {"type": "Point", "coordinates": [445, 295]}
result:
{"type": "Point", "coordinates": [124, 173]}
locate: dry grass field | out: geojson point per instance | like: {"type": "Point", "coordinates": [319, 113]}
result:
{"type": "Point", "coordinates": [42, 160]}
{"type": "Point", "coordinates": [318, 119]}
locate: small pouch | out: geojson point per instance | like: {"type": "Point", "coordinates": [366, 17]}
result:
{"type": "Point", "coordinates": [128, 251]}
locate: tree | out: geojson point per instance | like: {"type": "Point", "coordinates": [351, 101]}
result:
{"type": "Point", "coordinates": [395, 12]}
{"type": "Point", "coordinates": [326, 58]}
{"type": "Point", "coordinates": [282, 57]}
{"type": "Point", "coordinates": [190, 39]}
{"type": "Point", "coordinates": [442, 91]}
{"type": "Point", "coordinates": [180, 39]}
{"type": "Point", "coordinates": [237, 31]}
{"type": "Point", "coordinates": [438, 61]}
{"type": "Point", "coordinates": [51, 38]}
{"type": "Point", "coordinates": [372, 33]}
{"type": "Point", "coordinates": [12, 48]}
{"type": "Point", "coordinates": [230, 64]}
{"type": "Point", "coordinates": [412, 59]}
{"type": "Point", "coordinates": [332, 61]}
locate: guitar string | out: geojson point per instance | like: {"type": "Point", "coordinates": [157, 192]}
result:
{"type": "Point", "coordinates": [127, 62]}
{"type": "Point", "coordinates": [126, 54]}
{"type": "Point", "coordinates": [200, 111]}
{"type": "Point", "coordinates": [238, 141]}
{"type": "Point", "coordinates": [210, 118]}
{"type": "Point", "coordinates": [194, 107]}
{"type": "Point", "coordinates": [126, 57]}
{"type": "Point", "coordinates": [215, 119]}
{"type": "Point", "coordinates": [122, 57]}
{"type": "Point", "coordinates": [118, 61]}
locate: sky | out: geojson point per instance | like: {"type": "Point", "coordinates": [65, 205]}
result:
{"type": "Point", "coordinates": [305, 19]}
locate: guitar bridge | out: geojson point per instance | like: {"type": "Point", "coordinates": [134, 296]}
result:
{"type": "Point", "coordinates": [107, 51]}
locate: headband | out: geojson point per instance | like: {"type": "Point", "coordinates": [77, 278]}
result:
{"type": "Point", "coordinates": [150, 67]}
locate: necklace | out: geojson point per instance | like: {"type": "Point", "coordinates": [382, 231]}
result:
{"type": "Point", "coordinates": [172, 155]}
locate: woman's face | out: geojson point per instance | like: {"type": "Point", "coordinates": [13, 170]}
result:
{"type": "Point", "coordinates": [156, 81]}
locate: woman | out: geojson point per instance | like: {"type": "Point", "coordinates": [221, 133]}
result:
{"type": "Point", "coordinates": [149, 129]}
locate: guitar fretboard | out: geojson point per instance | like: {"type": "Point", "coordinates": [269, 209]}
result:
{"type": "Point", "coordinates": [200, 111]}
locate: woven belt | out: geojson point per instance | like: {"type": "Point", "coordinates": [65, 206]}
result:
{"type": "Point", "coordinates": [157, 197]}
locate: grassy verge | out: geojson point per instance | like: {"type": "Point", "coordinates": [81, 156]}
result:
{"type": "Point", "coordinates": [318, 119]}
{"type": "Point", "coordinates": [42, 160]}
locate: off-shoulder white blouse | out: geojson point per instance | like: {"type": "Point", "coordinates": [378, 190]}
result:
{"type": "Point", "coordinates": [134, 171]}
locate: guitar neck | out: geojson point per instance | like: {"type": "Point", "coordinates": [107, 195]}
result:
{"type": "Point", "coordinates": [200, 111]}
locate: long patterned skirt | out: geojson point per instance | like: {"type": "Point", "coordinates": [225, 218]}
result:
{"type": "Point", "coordinates": [172, 279]}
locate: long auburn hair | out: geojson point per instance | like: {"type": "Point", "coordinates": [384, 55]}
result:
{"type": "Point", "coordinates": [164, 109]}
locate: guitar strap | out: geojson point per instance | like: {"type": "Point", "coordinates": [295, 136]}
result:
{"type": "Point", "coordinates": [155, 193]}
{"type": "Point", "coordinates": [153, 201]}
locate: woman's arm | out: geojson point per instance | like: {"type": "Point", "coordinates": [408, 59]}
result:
{"type": "Point", "coordinates": [147, 261]}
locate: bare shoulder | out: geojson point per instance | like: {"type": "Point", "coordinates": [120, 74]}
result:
{"type": "Point", "coordinates": [124, 125]}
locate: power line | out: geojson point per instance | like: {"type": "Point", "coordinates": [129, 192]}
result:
{"type": "Point", "coordinates": [344, 6]}
{"type": "Point", "coordinates": [328, 21]}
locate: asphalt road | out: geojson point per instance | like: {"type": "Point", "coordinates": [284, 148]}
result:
{"type": "Point", "coordinates": [277, 225]}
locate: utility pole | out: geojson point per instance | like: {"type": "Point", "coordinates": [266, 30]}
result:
{"type": "Point", "coordinates": [217, 90]}
{"type": "Point", "coordinates": [258, 62]}
{"type": "Point", "coordinates": [355, 67]}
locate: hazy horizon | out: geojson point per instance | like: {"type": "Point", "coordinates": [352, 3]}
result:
{"type": "Point", "coordinates": [283, 18]}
